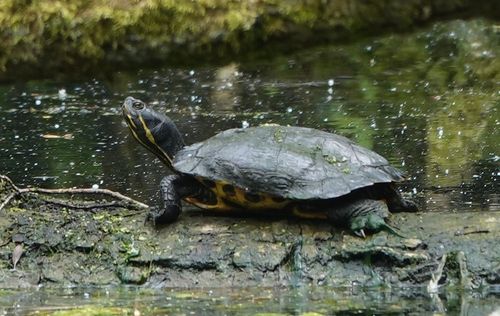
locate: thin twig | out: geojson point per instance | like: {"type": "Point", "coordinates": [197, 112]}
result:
{"type": "Point", "coordinates": [5, 178]}
{"type": "Point", "coordinates": [67, 191]}
{"type": "Point", "coordinates": [7, 200]}
{"type": "Point", "coordinates": [85, 191]}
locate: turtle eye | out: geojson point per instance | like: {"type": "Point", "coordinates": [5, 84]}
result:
{"type": "Point", "coordinates": [138, 105]}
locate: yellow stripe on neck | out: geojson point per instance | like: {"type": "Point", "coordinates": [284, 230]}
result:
{"type": "Point", "coordinates": [166, 159]}
{"type": "Point", "coordinates": [131, 121]}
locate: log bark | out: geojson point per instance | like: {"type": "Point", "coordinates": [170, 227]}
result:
{"type": "Point", "coordinates": [113, 245]}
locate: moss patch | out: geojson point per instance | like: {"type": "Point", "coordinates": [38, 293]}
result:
{"type": "Point", "coordinates": [62, 36]}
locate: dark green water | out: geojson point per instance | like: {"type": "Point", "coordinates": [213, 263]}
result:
{"type": "Point", "coordinates": [429, 101]}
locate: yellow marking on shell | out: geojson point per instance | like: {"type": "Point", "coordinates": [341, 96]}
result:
{"type": "Point", "coordinates": [266, 202]}
{"type": "Point", "coordinates": [219, 207]}
{"type": "Point", "coordinates": [227, 202]}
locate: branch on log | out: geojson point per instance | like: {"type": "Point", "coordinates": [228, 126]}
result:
{"type": "Point", "coordinates": [107, 192]}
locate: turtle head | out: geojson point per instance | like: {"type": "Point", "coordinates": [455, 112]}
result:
{"type": "Point", "coordinates": [153, 130]}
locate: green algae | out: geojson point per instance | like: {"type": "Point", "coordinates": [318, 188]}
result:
{"type": "Point", "coordinates": [64, 36]}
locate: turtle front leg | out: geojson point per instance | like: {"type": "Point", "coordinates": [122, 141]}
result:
{"type": "Point", "coordinates": [363, 215]}
{"type": "Point", "coordinates": [174, 188]}
{"type": "Point", "coordinates": [171, 202]}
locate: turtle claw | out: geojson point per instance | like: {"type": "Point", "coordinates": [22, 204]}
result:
{"type": "Point", "coordinates": [360, 233]}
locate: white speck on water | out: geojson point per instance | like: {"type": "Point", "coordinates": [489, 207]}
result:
{"type": "Point", "coordinates": [16, 136]}
{"type": "Point", "coordinates": [56, 126]}
{"type": "Point", "coordinates": [459, 133]}
{"type": "Point", "coordinates": [373, 124]}
{"type": "Point", "coordinates": [62, 93]}
{"type": "Point", "coordinates": [401, 109]}
{"type": "Point", "coordinates": [393, 89]}
{"type": "Point", "coordinates": [414, 190]}
{"type": "Point", "coordinates": [440, 132]}
{"type": "Point", "coordinates": [101, 182]}
{"type": "Point", "coordinates": [404, 129]}
{"type": "Point", "coordinates": [289, 110]}
{"type": "Point", "coordinates": [325, 120]}
{"type": "Point", "coordinates": [403, 163]}
{"type": "Point", "coordinates": [329, 98]}
{"type": "Point", "coordinates": [446, 171]}
{"type": "Point", "coordinates": [331, 82]}
{"type": "Point", "coordinates": [191, 72]}
{"type": "Point", "coordinates": [86, 295]}
{"type": "Point", "coordinates": [245, 124]}
{"type": "Point", "coordinates": [330, 90]}
{"type": "Point", "coordinates": [476, 176]}
{"type": "Point", "coordinates": [95, 186]}
{"type": "Point", "coordinates": [38, 102]}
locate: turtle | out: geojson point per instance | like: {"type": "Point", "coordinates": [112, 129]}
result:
{"type": "Point", "coordinates": [270, 169]}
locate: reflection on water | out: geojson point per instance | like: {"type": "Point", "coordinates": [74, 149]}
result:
{"type": "Point", "coordinates": [243, 301]}
{"type": "Point", "coordinates": [427, 101]}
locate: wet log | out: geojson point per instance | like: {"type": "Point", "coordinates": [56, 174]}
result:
{"type": "Point", "coordinates": [61, 245]}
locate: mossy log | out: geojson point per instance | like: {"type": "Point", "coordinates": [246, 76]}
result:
{"type": "Point", "coordinates": [63, 246]}
{"type": "Point", "coordinates": [47, 36]}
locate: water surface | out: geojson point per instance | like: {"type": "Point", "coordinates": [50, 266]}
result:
{"type": "Point", "coordinates": [428, 101]}
{"type": "Point", "coordinates": [305, 301]}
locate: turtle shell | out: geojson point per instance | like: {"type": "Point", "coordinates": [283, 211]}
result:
{"type": "Point", "coordinates": [289, 162]}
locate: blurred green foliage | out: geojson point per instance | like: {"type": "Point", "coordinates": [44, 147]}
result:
{"type": "Point", "coordinates": [64, 35]}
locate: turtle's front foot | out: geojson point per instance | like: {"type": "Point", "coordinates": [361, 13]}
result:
{"type": "Point", "coordinates": [158, 216]}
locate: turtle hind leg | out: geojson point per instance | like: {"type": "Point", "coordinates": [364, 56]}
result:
{"type": "Point", "coordinates": [363, 215]}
